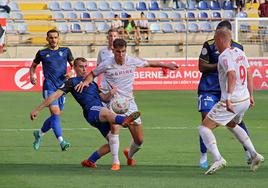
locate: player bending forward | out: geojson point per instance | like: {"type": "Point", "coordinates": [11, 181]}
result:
{"type": "Point", "coordinates": [236, 97]}
{"type": "Point", "coordinates": [94, 112]}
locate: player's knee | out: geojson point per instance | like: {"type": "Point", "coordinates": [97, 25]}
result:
{"type": "Point", "coordinates": [139, 142]}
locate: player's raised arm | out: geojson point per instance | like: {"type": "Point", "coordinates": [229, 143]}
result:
{"type": "Point", "coordinates": [45, 103]}
{"type": "Point", "coordinates": [171, 66]}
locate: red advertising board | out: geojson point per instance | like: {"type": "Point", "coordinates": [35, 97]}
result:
{"type": "Point", "coordinates": [15, 75]}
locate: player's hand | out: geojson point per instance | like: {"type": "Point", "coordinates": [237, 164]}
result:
{"type": "Point", "coordinates": [33, 115]}
{"type": "Point", "coordinates": [252, 102]}
{"type": "Point", "coordinates": [70, 74]}
{"type": "Point", "coordinates": [113, 91]}
{"type": "Point", "coordinates": [79, 87]}
{"type": "Point", "coordinates": [229, 106]}
{"type": "Point", "coordinates": [33, 79]}
{"type": "Point", "coordinates": [172, 66]}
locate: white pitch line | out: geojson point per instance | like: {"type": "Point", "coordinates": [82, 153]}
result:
{"type": "Point", "coordinates": [91, 128]}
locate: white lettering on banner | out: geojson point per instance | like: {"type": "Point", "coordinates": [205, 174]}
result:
{"type": "Point", "coordinates": [192, 74]}
{"type": "Point", "coordinates": [21, 80]}
{"type": "Point", "coordinates": [255, 63]}
{"type": "Point", "coordinates": [157, 75]}
{"type": "Point", "coordinates": [264, 85]}
{"type": "Point", "coordinates": [256, 73]}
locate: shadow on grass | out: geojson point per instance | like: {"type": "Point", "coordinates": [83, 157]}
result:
{"type": "Point", "coordinates": [137, 171]}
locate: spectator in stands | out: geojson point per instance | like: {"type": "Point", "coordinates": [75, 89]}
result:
{"type": "Point", "coordinates": [130, 27]}
{"type": "Point", "coordinates": [263, 12]}
{"type": "Point", "coordinates": [239, 5]}
{"type": "Point", "coordinates": [143, 26]}
{"type": "Point", "coordinates": [117, 24]}
{"type": "Point", "coordinates": [174, 1]}
{"type": "Point", "coordinates": [2, 39]}
{"type": "Point", "coordinates": [4, 6]}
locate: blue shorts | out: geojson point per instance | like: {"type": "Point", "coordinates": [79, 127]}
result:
{"type": "Point", "coordinates": [59, 102]}
{"type": "Point", "coordinates": [206, 101]}
{"type": "Point", "coordinates": [93, 118]}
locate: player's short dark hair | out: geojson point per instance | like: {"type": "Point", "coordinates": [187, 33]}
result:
{"type": "Point", "coordinates": [79, 59]}
{"type": "Point", "coordinates": [224, 23]}
{"type": "Point", "coordinates": [112, 30]}
{"type": "Point", "coordinates": [119, 43]}
{"type": "Point", "coordinates": [53, 31]}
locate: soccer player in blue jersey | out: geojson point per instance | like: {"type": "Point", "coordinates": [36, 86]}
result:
{"type": "Point", "coordinates": [209, 92]}
{"type": "Point", "coordinates": [54, 62]}
{"type": "Point", "coordinates": [94, 111]}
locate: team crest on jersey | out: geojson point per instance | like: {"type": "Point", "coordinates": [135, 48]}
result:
{"type": "Point", "coordinates": [60, 53]}
{"type": "Point", "coordinates": [204, 51]}
{"type": "Point", "coordinates": [47, 55]}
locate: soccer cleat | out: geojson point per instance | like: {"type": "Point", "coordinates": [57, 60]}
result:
{"type": "Point", "coordinates": [217, 165]}
{"type": "Point", "coordinates": [132, 117]}
{"type": "Point", "coordinates": [256, 162]}
{"type": "Point", "coordinates": [248, 158]}
{"type": "Point", "coordinates": [64, 145]}
{"type": "Point", "coordinates": [37, 140]}
{"type": "Point", "coordinates": [115, 167]}
{"type": "Point", "coordinates": [204, 165]}
{"type": "Point", "coordinates": [88, 163]}
{"type": "Point", "coordinates": [130, 162]}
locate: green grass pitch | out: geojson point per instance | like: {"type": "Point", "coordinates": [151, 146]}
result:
{"type": "Point", "coordinates": [169, 157]}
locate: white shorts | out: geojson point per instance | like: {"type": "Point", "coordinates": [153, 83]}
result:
{"type": "Point", "coordinates": [220, 115]}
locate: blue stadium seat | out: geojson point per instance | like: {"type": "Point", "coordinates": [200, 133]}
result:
{"type": "Point", "coordinates": [191, 5]}
{"type": "Point", "coordinates": [98, 16]}
{"type": "Point", "coordinates": [191, 16]}
{"type": "Point", "coordinates": [193, 27]}
{"type": "Point", "coordinates": [141, 6]}
{"type": "Point", "coordinates": [216, 15]}
{"type": "Point", "coordinates": [181, 6]}
{"type": "Point", "coordinates": [228, 15]}
{"type": "Point", "coordinates": [214, 5]}
{"type": "Point", "coordinates": [104, 6]}
{"type": "Point", "coordinates": [91, 6]}
{"type": "Point", "coordinates": [63, 28]}
{"type": "Point", "coordinates": [90, 28]}
{"type": "Point", "coordinates": [14, 6]}
{"type": "Point", "coordinates": [176, 17]}
{"type": "Point", "coordinates": [167, 28]}
{"type": "Point", "coordinates": [58, 17]}
{"type": "Point", "coordinates": [85, 17]}
{"type": "Point", "coordinates": [66, 6]}
{"type": "Point", "coordinates": [227, 5]}
{"type": "Point", "coordinates": [123, 15]}
{"type": "Point", "coordinates": [11, 29]}
{"type": "Point", "coordinates": [72, 17]}
{"type": "Point", "coordinates": [54, 6]}
{"type": "Point", "coordinates": [22, 28]}
{"type": "Point", "coordinates": [75, 28]}
{"type": "Point", "coordinates": [80, 6]}
{"type": "Point", "coordinates": [109, 16]}
{"type": "Point", "coordinates": [163, 17]}
{"type": "Point", "coordinates": [241, 15]}
{"type": "Point", "coordinates": [180, 27]}
{"type": "Point", "coordinates": [203, 16]}
{"type": "Point", "coordinates": [155, 28]}
{"type": "Point", "coordinates": [206, 27]}
{"type": "Point", "coordinates": [153, 5]}
{"type": "Point", "coordinates": [103, 27]}
{"type": "Point", "coordinates": [129, 6]}
{"type": "Point", "coordinates": [245, 28]}
{"type": "Point", "coordinates": [116, 6]}
{"type": "Point", "coordinates": [18, 17]}
{"type": "Point", "coordinates": [203, 5]}
{"type": "Point", "coordinates": [150, 16]}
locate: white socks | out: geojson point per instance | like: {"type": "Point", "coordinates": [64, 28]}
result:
{"type": "Point", "coordinates": [210, 141]}
{"type": "Point", "coordinates": [60, 139]}
{"type": "Point", "coordinates": [41, 133]}
{"type": "Point", "coordinates": [133, 149]}
{"type": "Point", "coordinates": [242, 136]}
{"type": "Point", "coordinates": [114, 147]}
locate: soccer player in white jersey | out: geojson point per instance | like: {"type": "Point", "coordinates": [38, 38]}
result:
{"type": "Point", "coordinates": [119, 72]}
{"type": "Point", "coordinates": [236, 97]}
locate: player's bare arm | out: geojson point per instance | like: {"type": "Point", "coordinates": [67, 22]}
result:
{"type": "Point", "coordinates": [205, 67]}
{"type": "Point", "coordinates": [171, 66]}
{"type": "Point", "coordinates": [32, 73]}
{"type": "Point", "coordinates": [45, 103]}
{"type": "Point", "coordinates": [231, 86]}
{"type": "Point", "coordinates": [71, 73]}
{"type": "Point", "coordinates": [250, 87]}
{"type": "Point", "coordinates": [106, 97]}
{"type": "Point", "coordinates": [89, 78]}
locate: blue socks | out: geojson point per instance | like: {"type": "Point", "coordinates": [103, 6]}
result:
{"type": "Point", "coordinates": [55, 125]}
{"type": "Point", "coordinates": [46, 125]}
{"type": "Point", "coordinates": [94, 157]}
{"type": "Point", "coordinates": [119, 119]}
{"type": "Point", "coordinates": [203, 148]}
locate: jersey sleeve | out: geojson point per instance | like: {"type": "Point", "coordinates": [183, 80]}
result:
{"type": "Point", "coordinates": [204, 55]}
{"type": "Point", "coordinates": [37, 58]}
{"type": "Point", "coordinates": [70, 55]}
{"type": "Point", "coordinates": [99, 58]}
{"type": "Point", "coordinates": [227, 63]}
{"type": "Point", "coordinates": [101, 68]}
{"type": "Point", "coordinates": [67, 87]}
{"type": "Point", "coordinates": [140, 62]}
